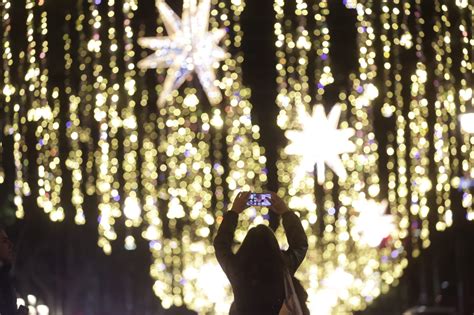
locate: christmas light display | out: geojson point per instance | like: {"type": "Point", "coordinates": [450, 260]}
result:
{"type": "Point", "coordinates": [163, 173]}
{"type": "Point", "coordinates": [94, 135]}
{"type": "Point", "coordinates": [363, 227]}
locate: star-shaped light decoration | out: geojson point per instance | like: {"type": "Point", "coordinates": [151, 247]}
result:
{"type": "Point", "coordinates": [189, 47]}
{"type": "Point", "coordinates": [320, 142]}
{"type": "Point", "coordinates": [372, 225]}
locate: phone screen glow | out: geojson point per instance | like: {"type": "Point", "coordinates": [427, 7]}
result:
{"type": "Point", "coordinates": [257, 199]}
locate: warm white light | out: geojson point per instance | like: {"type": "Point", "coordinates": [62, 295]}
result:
{"type": "Point", "coordinates": [31, 299]}
{"type": "Point", "coordinates": [320, 142]}
{"type": "Point", "coordinates": [465, 94]}
{"type": "Point", "coordinates": [40, 113]}
{"type": "Point", "coordinates": [189, 48]}
{"type": "Point", "coordinates": [191, 100]}
{"type": "Point", "coordinates": [333, 287]}
{"type": "Point", "coordinates": [216, 120]}
{"type": "Point", "coordinates": [467, 122]}
{"type": "Point", "coordinates": [462, 3]}
{"type": "Point", "coordinates": [372, 225]}
{"type": "Point", "coordinates": [20, 302]}
{"type": "Point", "coordinates": [371, 91]}
{"type": "Point", "coordinates": [175, 209]}
{"type": "Point", "coordinates": [350, 4]}
{"type": "Point", "coordinates": [130, 243]}
{"type": "Point", "coordinates": [132, 208]}
{"type": "Point", "coordinates": [33, 309]}
{"type": "Point", "coordinates": [338, 280]}
{"type": "Point", "coordinates": [406, 40]}
{"type": "Point", "coordinates": [217, 289]}
{"type": "Point", "coordinates": [42, 310]}
{"type": "Point", "coordinates": [8, 90]}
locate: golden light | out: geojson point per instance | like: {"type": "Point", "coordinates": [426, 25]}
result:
{"type": "Point", "coordinates": [320, 142]}
{"type": "Point", "coordinates": [31, 303]}
{"type": "Point", "coordinates": [189, 47]}
{"type": "Point", "coordinates": [168, 173]}
{"type": "Point", "coordinates": [341, 215]}
{"type": "Point", "coordinates": [467, 122]}
{"type": "Point", "coordinates": [371, 225]}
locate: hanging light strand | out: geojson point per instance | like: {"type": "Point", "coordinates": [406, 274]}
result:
{"type": "Point", "coordinates": [132, 208]}
{"type": "Point", "coordinates": [74, 161]}
{"type": "Point", "coordinates": [108, 207]}
{"type": "Point", "coordinates": [399, 138]}
{"type": "Point", "coordinates": [466, 102]}
{"type": "Point", "coordinates": [47, 132]}
{"type": "Point", "coordinates": [8, 89]}
{"type": "Point", "coordinates": [418, 126]}
{"type": "Point", "coordinates": [321, 45]}
{"type": "Point", "coordinates": [445, 110]}
{"type": "Point", "coordinates": [392, 109]}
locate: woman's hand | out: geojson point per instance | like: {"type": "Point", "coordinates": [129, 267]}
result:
{"type": "Point", "coordinates": [240, 202]}
{"type": "Point", "coordinates": [278, 205]}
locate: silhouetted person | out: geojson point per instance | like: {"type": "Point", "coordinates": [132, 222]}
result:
{"type": "Point", "coordinates": [7, 290]}
{"type": "Point", "coordinates": [256, 270]}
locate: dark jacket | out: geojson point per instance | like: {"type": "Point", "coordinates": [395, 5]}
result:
{"type": "Point", "coordinates": [258, 285]}
{"type": "Point", "coordinates": [7, 292]}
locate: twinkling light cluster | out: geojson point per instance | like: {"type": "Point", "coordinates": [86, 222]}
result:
{"type": "Point", "coordinates": [466, 105]}
{"type": "Point", "coordinates": [194, 178]}
{"type": "Point", "coordinates": [445, 157]}
{"type": "Point", "coordinates": [347, 267]}
{"type": "Point", "coordinates": [163, 173]}
{"type": "Point", "coordinates": [8, 88]}
{"type": "Point", "coordinates": [371, 225]}
{"type": "Point", "coordinates": [166, 173]}
{"type": "Point", "coordinates": [33, 305]}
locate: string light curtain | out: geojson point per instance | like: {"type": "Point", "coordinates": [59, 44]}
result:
{"type": "Point", "coordinates": [97, 137]}
{"type": "Point", "coordinates": [155, 171]}
{"type": "Point", "coordinates": [367, 219]}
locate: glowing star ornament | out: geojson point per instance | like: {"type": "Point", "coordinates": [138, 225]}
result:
{"type": "Point", "coordinates": [190, 47]}
{"type": "Point", "coordinates": [372, 225]}
{"type": "Point", "coordinates": [320, 142]}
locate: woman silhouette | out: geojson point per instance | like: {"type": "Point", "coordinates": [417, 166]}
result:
{"type": "Point", "coordinates": [256, 271]}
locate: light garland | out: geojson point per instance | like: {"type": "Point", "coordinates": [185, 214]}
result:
{"type": "Point", "coordinates": [132, 207]}
{"type": "Point", "coordinates": [444, 142]}
{"type": "Point", "coordinates": [337, 248]}
{"type": "Point", "coordinates": [188, 171]}
{"type": "Point", "coordinates": [75, 159]}
{"type": "Point", "coordinates": [466, 107]}
{"type": "Point", "coordinates": [168, 173]}
{"type": "Point", "coordinates": [8, 89]}
{"type": "Point", "coordinates": [418, 126]}
{"type": "Point", "coordinates": [321, 44]}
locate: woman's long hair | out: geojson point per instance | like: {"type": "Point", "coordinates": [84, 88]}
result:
{"type": "Point", "coordinates": [259, 257]}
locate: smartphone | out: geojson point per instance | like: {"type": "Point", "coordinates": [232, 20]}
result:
{"type": "Point", "coordinates": [259, 199]}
